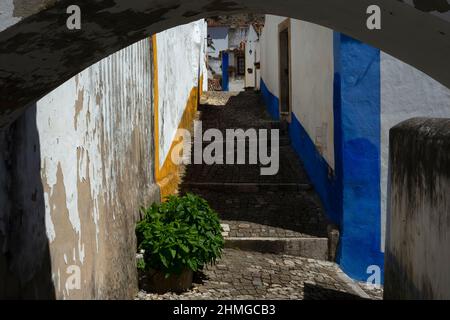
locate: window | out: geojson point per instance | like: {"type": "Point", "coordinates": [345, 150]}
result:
{"type": "Point", "coordinates": [241, 65]}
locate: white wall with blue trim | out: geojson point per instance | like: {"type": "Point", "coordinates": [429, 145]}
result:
{"type": "Point", "coordinates": [346, 96]}
{"type": "Point", "coordinates": [312, 102]}
{"type": "Point", "coordinates": [269, 64]}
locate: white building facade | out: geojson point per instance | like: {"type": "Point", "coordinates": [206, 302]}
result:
{"type": "Point", "coordinates": [341, 97]}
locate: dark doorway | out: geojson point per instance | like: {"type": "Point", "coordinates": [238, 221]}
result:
{"type": "Point", "coordinates": [284, 56]}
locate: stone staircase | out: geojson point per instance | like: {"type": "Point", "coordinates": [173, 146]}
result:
{"type": "Point", "coordinates": [278, 214]}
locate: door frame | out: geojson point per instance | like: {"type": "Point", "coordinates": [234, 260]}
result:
{"type": "Point", "coordinates": [282, 27]}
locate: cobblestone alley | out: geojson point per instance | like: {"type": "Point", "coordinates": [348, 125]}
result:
{"type": "Point", "coordinates": [274, 226]}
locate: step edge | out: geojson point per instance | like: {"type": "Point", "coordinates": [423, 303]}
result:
{"type": "Point", "coordinates": [276, 239]}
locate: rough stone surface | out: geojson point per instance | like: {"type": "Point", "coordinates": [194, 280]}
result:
{"type": "Point", "coordinates": [39, 52]}
{"type": "Point", "coordinates": [262, 216]}
{"type": "Point", "coordinates": [268, 214]}
{"type": "Point", "coordinates": [375, 292]}
{"type": "Point", "coordinates": [417, 255]}
{"type": "Point", "coordinates": [253, 205]}
{"type": "Point", "coordinates": [250, 275]}
{"type": "Point", "coordinates": [316, 248]}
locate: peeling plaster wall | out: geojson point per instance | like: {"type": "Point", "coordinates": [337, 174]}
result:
{"type": "Point", "coordinates": [181, 56]}
{"type": "Point", "coordinates": [74, 170]}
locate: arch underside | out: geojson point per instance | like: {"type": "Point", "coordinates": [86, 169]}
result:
{"type": "Point", "coordinates": [39, 53]}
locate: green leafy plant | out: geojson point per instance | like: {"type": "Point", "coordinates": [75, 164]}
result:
{"type": "Point", "coordinates": [183, 232]}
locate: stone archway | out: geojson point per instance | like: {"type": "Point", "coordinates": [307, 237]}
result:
{"type": "Point", "coordinates": [38, 52]}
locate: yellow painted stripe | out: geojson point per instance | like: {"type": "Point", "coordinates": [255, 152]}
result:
{"type": "Point", "coordinates": [168, 175]}
{"type": "Point", "coordinates": [156, 106]}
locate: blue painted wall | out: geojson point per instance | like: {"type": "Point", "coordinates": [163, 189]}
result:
{"type": "Point", "coordinates": [358, 81]}
{"type": "Point", "coordinates": [325, 182]}
{"type": "Point", "coordinates": [350, 193]}
{"type": "Point", "coordinates": [225, 63]}
{"type": "Point", "coordinates": [271, 101]}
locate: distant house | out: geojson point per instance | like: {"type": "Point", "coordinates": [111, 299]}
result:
{"type": "Point", "coordinates": [252, 59]}
{"type": "Point", "coordinates": [233, 56]}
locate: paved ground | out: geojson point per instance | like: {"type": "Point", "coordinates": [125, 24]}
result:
{"type": "Point", "coordinates": [280, 205]}
{"type": "Point", "coordinates": [255, 206]}
{"type": "Point", "coordinates": [228, 110]}
{"type": "Point", "coordinates": [268, 213]}
{"type": "Point", "coordinates": [250, 275]}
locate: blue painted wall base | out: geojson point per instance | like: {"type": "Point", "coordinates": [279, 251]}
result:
{"type": "Point", "coordinates": [350, 193]}
{"type": "Point", "coordinates": [271, 101]}
{"type": "Point", "coordinates": [326, 184]}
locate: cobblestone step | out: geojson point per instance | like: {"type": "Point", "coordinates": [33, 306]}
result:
{"type": "Point", "coordinates": [282, 127]}
{"type": "Point", "coordinates": [269, 213]}
{"type": "Point", "coordinates": [248, 229]}
{"type": "Point", "coordinates": [288, 170]}
{"type": "Point", "coordinates": [254, 275]}
{"type": "Point", "coordinates": [283, 142]}
{"type": "Point", "coordinates": [314, 248]}
{"type": "Point", "coordinates": [247, 187]}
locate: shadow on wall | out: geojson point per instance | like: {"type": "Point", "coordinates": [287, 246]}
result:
{"type": "Point", "coordinates": [317, 292]}
{"type": "Point", "coordinates": [25, 264]}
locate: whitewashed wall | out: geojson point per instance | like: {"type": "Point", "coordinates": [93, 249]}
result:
{"type": "Point", "coordinates": [251, 45]}
{"type": "Point", "coordinates": [405, 93]}
{"type": "Point", "coordinates": [236, 36]}
{"type": "Point", "coordinates": [312, 83]}
{"type": "Point", "coordinates": [312, 73]}
{"type": "Point", "coordinates": [258, 71]}
{"type": "Point", "coordinates": [205, 56]}
{"type": "Point", "coordinates": [180, 53]}
{"type": "Point", "coordinates": [269, 54]}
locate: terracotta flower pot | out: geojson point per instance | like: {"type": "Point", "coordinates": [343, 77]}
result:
{"type": "Point", "coordinates": [156, 281]}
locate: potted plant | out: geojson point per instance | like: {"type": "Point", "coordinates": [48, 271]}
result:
{"type": "Point", "coordinates": [177, 238]}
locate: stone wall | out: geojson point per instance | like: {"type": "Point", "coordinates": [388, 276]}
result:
{"type": "Point", "coordinates": [74, 170]}
{"type": "Point", "coordinates": [417, 256]}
